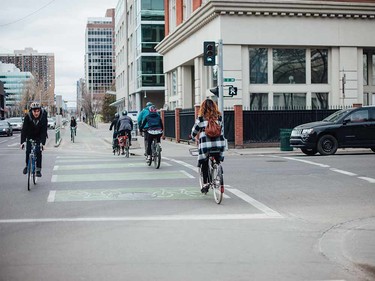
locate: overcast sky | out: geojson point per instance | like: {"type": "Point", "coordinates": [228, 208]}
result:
{"type": "Point", "coordinates": [52, 26]}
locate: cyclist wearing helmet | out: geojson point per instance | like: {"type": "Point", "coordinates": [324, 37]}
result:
{"type": "Point", "coordinates": [73, 124]}
{"type": "Point", "coordinates": [154, 127]}
{"type": "Point", "coordinates": [35, 128]}
{"type": "Point", "coordinates": [141, 117]}
{"type": "Point", "coordinates": [113, 125]}
{"type": "Point", "coordinates": [125, 126]}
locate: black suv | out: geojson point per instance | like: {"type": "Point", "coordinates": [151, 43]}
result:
{"type": "Point", "coordinates": [345, 128]}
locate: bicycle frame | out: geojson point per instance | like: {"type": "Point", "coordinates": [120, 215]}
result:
{"type": "Point", "coordinates": [31, 165]}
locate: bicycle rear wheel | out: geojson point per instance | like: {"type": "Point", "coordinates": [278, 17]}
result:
{"type": "Point", "coordinates": [218, 183]}
{"type": "Point", "coordinates": [127, 148]}
{"type": "Point", "coordinates": [157, 156]}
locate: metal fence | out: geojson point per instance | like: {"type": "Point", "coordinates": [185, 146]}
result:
{"type": "Point", "coordinates": [259, 126]}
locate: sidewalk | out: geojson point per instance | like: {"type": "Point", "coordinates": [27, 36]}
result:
{"type": "Point", "coordinates": [173, 149]}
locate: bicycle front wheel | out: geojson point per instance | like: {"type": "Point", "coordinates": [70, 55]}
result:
{"type": "Point", "coordinates": [29, 173]}
{"type": "Point", "coordinates": [218, 183]}
{"type": "Point", "coordinates": [157, 156]}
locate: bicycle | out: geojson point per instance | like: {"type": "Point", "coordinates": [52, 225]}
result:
{"type": "Point", "coordinates": [72, 133]}
{"type": "Point", "coordinates": [31, 164]}
{"type": "Point", "coordinates": [215, 173]}
{"type": "Point", "coordinates": [116, 147]}
{"type": "Point", "coordinates": [123, 142]}
{"type": "Point", "coordinates": [155, 153]}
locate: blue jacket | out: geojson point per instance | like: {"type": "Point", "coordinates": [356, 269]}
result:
{"type": "Point", "coordinates": [142, 116]}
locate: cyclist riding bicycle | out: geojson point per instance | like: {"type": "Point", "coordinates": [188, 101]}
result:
{"type": "Point", "coordinates": [34, 128]}
{"type": "Point", "coordinates": [154, 127]}
{"type": "Point", "coordinates": [114, 136]}
{"type": "Point", "coordinates": [73, 126]}
{"type": "Point", "coordinates": [208, 110]}
{"type": "Point", "coordinates": [124, 127]}
{"type": "Point", "coordinates": [141, 117]}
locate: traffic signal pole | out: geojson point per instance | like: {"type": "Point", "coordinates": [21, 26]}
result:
{"type": "Point", "coordinates": [220, 77]}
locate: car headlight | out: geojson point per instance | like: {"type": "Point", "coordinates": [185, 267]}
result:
{"type": "Point", "coordinates": [307, 131]}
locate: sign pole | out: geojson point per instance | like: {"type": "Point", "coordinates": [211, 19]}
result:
{"type": "Point", "coordinates": [220, 77]}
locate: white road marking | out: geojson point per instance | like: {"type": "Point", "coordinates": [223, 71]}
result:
{"type": "Point", "coordinates": [308, 162]}
{"type": "Point", "coordinates": [268, 211]}
{"type": "Point", "coordinates": [54, 178]}
{"type": "Point", "coordinates": [183, 164]}
{"type": "Point", "coordinates": [370, 180]}
{"type": "Point", "coordinates": [187, 174]}
{"type": "Point", "coordinates": [51, 196]}
{"type": "Point", "coordinates": [147, 218]}
{"type": "Point", "coordinates": [343, 172]}
{"type": "Point", "coordinates": [13, 144]}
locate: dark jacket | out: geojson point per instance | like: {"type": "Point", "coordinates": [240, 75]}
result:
{"type": "Point", "coordinates": [113, 124]}
{"type": "Point", "coordinates": [35, 129]}
{"type": "Point", "coordinates": [153, 122]}
{"type": "Point", "coordinates": [124, 123]}
{"type": "Point", "coordinates": [73, 123]}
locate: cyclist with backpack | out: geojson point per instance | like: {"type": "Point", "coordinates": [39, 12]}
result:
{"type": "Point", "coordinates": [124, 127]}
{"type": "Point", "coordinates": [34, 128]}
{"type": "Point", "coordinates": [209, 129]}
{"type": "Point", "coordinates": [154, 127]}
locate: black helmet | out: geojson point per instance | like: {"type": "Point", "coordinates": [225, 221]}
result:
{"type": "Point", "coordinates": [35, 105]}
{"type": "Point", "coordinates": [124, 113]}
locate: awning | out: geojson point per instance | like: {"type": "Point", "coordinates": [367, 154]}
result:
{"type": "Point", "coordinates": [118, 102]}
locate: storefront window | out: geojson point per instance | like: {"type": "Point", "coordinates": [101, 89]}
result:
{"type": "Point", "coordinates": [289, 100]}
{"type": "Point", "coordinates": [258, 66]}
{"type": "Point", "coordinates": [289, 66]}
{"type": "Point", "coordinates": [365, 70]}
{"type": "Point", "coordinates": [319, 66]}
{"type": "Point", "coordinates": [259, 101]}
{"type": "Point", "coordinates": [319, 100]}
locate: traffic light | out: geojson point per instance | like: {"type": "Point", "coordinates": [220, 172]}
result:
{"type": "Point", "coordinates": [215, 91]}
{"type": "Point", "coordinates": [209, 53]}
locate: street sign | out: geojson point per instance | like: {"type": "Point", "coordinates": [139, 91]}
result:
{"type": "Point", "coordinates": [232, 91]}
{"type": "Point", "coordinates": [229, 79]}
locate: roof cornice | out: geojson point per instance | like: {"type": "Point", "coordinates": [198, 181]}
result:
{"type": "Point", "coordinates": [266, 8]}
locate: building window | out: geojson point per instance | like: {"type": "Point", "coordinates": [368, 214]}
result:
{"type": "Point", "coordinates": [319, 66]}
{"type": "Point", "coordinates": [174, 83]}
{"type": "Point", "coordinates": [258, 101]}
{"type": "Point", "coordinates": [188, 8]}
{"type": "Point", "coordinates": [365, 70]}
{"type": "Point", "coordinates": [289, 66]}
{"type": "Point", "coordinates": [258, 66]}
{"type": "Point", "coordinates": [366, 99]}
{"type": "Point", "coordinates": [151, 35]}
{"type": "Point", "coordinates": [152, 10]}
{"type": "Point", "coordinates": [289, 100]}
{"type": "Point", "coordinates": [319, 100]}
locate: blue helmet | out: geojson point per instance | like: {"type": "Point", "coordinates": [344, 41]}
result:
{"type": "Point", "coordinates": [124, 113]}
{"type": "Point", "coordinates": [149, 103]}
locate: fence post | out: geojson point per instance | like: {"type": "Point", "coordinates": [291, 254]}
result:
{"type": "Point", "coordinates": [162, 116]}
{"type": "Point", "coordinates": [177, 124]}
{"type": "Point", "coordinates": [238, 126]}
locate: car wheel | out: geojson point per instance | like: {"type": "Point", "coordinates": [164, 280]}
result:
{"type": "Point", "coordinates": [309, 151]}
{"type": "Point", "coordinates": [327, 145]}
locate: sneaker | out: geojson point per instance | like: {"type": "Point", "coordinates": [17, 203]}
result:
{"type": "Point", "coordinates": [24, 171]}
{"type": "Point", "coordinates": [205, 188]}
{"type": "Point", "coordinates": [123, 153]}
{"type": "Point", "coordinates": [38, 174]}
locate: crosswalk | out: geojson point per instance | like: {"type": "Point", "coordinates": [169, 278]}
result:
{"type": "Point", "coordinates": [88, 178]}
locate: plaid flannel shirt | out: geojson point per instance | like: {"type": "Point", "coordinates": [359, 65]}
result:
{"type": "Point", "coordinates": [205, 142]}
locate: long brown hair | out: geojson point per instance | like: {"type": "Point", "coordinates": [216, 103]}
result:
{"type": "Point", "coordinates": [209, 109]}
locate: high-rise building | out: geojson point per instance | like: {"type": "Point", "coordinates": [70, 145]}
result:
{"type": "Point", "coordinates": [99, 54]}
{"type": "Point", "coordinates": [139, 27]}
{"type": "Point", "coordinates": [41, 65]}
{"type": "Point", "coordinates": [14, 82]}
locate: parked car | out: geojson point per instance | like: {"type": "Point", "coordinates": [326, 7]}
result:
{"type": "Point", "coordinates": [51, 123]}
{"type": "Point", "coordinates": [16, 123]}
{"type": "Point", "coordinates": [346, 128]}
{"type": "Point", "coordinates": [6, 128]}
